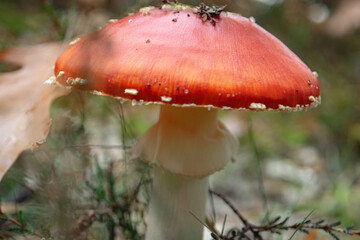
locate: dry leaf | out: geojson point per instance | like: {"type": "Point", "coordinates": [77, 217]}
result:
{"type": "Point", "coordinates": [25, 100]}
{"type": "Point", "coordinates": [312, 235]}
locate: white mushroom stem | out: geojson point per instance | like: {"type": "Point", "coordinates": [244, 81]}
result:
{"type": "Point", "coordinates": [177, 202]}
{"type": "Point", "coordinates": [187, 144]}
{"type": "Point", "coordinates": [189, 141]}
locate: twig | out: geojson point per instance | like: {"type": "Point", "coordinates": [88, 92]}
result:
{"type": "Point", "coordinates": [214, 234]}
{"type": "Point", "coordinates": [22, 226]}
{"type": "Point", "coordinates": [83, 224]}
{"type": "Point", "coordinates": [301, 224]}
{"type": "Point", "coordinates": [246, 223]}
{"type": "Point", "coordinates": [278, 224]}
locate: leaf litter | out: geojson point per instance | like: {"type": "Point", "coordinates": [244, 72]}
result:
{"type": "Point", "coordinates": [25, 101]}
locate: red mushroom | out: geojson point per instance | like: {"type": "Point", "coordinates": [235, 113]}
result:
{"type": "Point", "coordinates": [192, 64]}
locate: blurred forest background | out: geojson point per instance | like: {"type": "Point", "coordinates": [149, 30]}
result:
{"type": "Point", "coordinates": [81, 184]}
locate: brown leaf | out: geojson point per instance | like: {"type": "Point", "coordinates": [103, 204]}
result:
{"type": "Point", "coordinates": [25, 100]}
{"type": "Point", "coordinates": [312, 235]}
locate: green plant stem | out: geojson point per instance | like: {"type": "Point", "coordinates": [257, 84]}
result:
{"type": "Point", "coordinates": [259, 169]}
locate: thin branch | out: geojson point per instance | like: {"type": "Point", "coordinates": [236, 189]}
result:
{"type": "Point", "coordinates": [278, 224]}
{"type": "Point", "coordinates": [301, 224]}
{"type": "Point", "coordinates": [23, 227]}
{"type": "Point", "coordinates": [243, 220]}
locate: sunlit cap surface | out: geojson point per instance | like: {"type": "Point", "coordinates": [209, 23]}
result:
{"type": "Point", "coordinates": [174, 57]}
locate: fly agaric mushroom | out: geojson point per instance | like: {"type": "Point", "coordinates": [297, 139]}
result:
{"type": "Point", "coordinates": [192, 66]}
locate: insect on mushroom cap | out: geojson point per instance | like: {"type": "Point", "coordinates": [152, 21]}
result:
{"type": "Point", "coordinates": [230, 63]}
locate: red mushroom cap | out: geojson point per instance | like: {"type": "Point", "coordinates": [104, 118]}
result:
{"type": "Point", "coordinates": [175, 57]}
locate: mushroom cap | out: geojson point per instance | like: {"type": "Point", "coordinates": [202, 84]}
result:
{"type": "Point", "coordinates": [174, 57]}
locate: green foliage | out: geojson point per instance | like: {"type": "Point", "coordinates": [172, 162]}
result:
{"type": "Point", "coordinates": [11, 18]}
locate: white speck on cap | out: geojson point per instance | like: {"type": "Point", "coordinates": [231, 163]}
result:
{"type": "Point", "coordinates": [316, 101]}
{"type": "Point", "coordinates": [74, 41]}
{"type": "Point", "coordinates": [209, 106]}
{"type": "Point", "coordinates": [81, 81]}
{"type": "Point", "coordinates": [252, 19]}
{"type": "Point", "coordinates": [189, 105]}
{"type": "Point", "coordinates": [76, 81]}
{"type": "Point", "coordinates": [284, 108]}
{"type": "Point", "coordinates": [177, 7]}
{"type": "Point", "coordinates": [166, 99]}
{"type": "Point", "coordinates": [257, 106]}
{"type": "Point", "coordinates": [51, 80]}
{"type": "Point", "coordinates": [135, 102]}
{"type": "Point", "coordinates": [97, 93]}
{"type": "Point", "coordinates": [61, 73]}
{"type": "Point", "coordinates": [131, 91]}
{"type": "Point", "coordinates": [70, 81]}
{"type": "Point", "coordinates": [146, 10]}
{"type": "Point", "coordinates": [149, 103]}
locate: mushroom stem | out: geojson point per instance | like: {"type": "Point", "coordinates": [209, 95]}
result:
{"type": "Point", "coordinates": [189, 141]}
{"type": "Point", "coordinates": [177, 204]}
{"type": "Point", "coordinates": [187, 145]}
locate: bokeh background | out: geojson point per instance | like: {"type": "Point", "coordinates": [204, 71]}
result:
{"type": "Point", "coordinates": [81, 184]}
